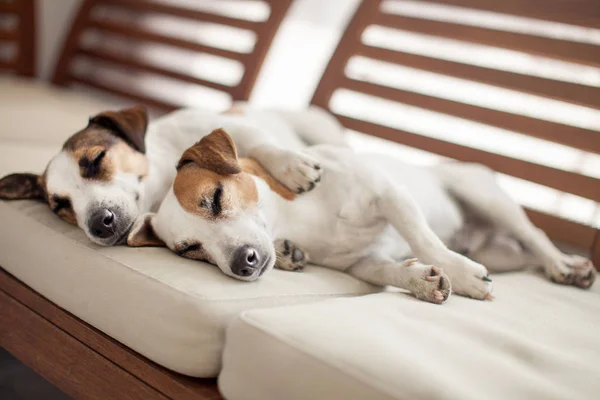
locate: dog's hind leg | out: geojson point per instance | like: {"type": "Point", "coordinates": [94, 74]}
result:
{"type": "Point", "coordinates": [468, 277]}
{"type": "Point", "coordinates": [426, 282]}
{"type": "Point", "coordinates": [474, 186]}
{"type": "Point", "coordinates": [498, 251]}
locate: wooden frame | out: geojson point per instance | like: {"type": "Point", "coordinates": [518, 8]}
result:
{"type": "Point", "coordinates": [80, 360]}
{"type": "Point", "coordinates": [72, 49]}
{"type": "Point", "coordinates": [22, 36]}
{"type": "Point", "coordinates": [584, 13]}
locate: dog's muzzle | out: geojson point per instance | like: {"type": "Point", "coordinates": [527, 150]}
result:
{"type": "Point", "coordinates": [107, 226]}
{"type": "Point", "coordinates": [248, 262]}
{"type": "Point", "coordinates": [102, 224]}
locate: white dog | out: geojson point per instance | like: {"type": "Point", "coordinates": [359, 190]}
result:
{"type": "Point", "coordinates": [367, 217]}
{"type": "Point", "coordinates": [119, 166]}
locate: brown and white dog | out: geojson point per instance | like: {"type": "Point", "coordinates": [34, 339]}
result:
{"type": "Point", "coordinates": [369, 216]}
{"type": "Point", "coordinates": [120, 165]}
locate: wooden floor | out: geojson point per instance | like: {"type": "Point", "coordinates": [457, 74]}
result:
{"type": "Point", "coordinates": [78, 359]}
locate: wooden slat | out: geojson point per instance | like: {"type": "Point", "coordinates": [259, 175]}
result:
{"type": "Point", "coordinates": [136, 33]}
{"type": "Point", "coordinates": [62, 360]}
{"type": "Point", "coordinates": [7, 64]}
{"type": "Point", "coordinates": [562, 230]}
{"type": "Point", "coordinates": [9, 35]}
{"type": "Point", "coordinates": [27, 46]}
{"type": "Point", "coordinates": [151, 102]}
{"type": "Point", "coordinates": [584, 13]}
{"type": "Point", "coordinates": [555, 178]}
{"type": "Point", "coordinates": [554, 48]}
{"type": "Point", "coordinates": [161, 8]}
{"type": "Point", "coordinates": [167, 382]}
{"type": "Point", "coordinates": [560, 133]}
{"type": "Point", "coordinates": [8, 7]}
{"type": "Point", "coordinates": [111, 57]}
{"type": "Point", "coordinates": [583, 95]}
{"type": "Point", "coordinates": [265, 31]}
{"type": "Point", "coordinates": [350, 40]}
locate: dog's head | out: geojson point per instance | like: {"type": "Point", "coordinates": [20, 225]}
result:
{"type": "Point", "coordinates": [211, 213]}
{"type": "Point", "coordinates": [95, 180]}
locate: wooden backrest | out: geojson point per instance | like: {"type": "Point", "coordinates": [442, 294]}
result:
{"type": "Point", "coordinates": [161, 52]}
{"type": "Point", "coordinates": [463, 79]}
{"type": "Point", "coordinates": [17, 36]}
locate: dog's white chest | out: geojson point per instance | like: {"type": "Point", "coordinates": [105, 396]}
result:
{"type": "Point", "coordinates": [337, 222]}
{"type": "Point", "coordinates": [340, 221]}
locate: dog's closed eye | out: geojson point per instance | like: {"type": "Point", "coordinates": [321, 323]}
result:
{"type": "Point", "coordinates": [214, 204]}
{"type": "Point", "coordinates": [90, 167]}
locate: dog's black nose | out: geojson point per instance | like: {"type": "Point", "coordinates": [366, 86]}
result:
{"type": "Point", "coordinates": [102, 223]}
{"type": "Point", "coordinates": [246, 260]}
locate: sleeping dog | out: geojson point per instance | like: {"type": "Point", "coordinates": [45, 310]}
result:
{"type": "Point", "coordinates": [119, 166]}
{"type": "Point", "coordinates": [426, 230]}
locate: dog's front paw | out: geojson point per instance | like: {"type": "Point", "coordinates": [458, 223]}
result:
{"type": "Point", "coordinates": [573, 270]}
{"type": "Point", "coordinates": [299, 172]}
{"type": "Point", "coordinates": [468, 278]}
{"type": "Point", "coordinates": [289, 256]}
{"type": "Point", "coordinates": [429, 283]}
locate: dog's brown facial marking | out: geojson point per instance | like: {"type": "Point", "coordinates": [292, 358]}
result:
{"type": "Point", "coordinates": [210, 182]}
{"type": "Point", "coordinates": [193, 250]}
{"type": "Point", "coordinates": [100, 155]}
{"type": "Point", "coordinates": [62, 206]}
{"type": "Point", "coordinates": [213, 196]}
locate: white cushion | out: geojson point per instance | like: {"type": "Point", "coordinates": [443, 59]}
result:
{"type": "Point", "coordinates": [172, 310]}
{"type": "Point", "coordinates": [536, 340]}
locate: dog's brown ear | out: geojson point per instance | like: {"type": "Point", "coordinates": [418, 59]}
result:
{"type": "Point", "coordinates": [143, 235]}
{"type": "Point", "coordinates": [129, 124]}
{"type": "Point", "coordinates": [21, 186]}
{"type": "Point", "coordinates": [215, 152]}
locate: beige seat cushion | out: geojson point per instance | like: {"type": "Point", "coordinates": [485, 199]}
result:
{"type": "Point", "coordinates": [537, 340]}
{"type": "Point", "coordinates": [172, 310]}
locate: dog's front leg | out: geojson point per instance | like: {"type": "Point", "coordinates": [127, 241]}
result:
{"type": "Point", "coordinates": [299, 172]}
{"type": "Point", "coordinates": [426, 282]}
{"type": "Point", "coordinates": [468, 277]}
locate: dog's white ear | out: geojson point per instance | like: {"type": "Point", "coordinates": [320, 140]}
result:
{"type": "Point", "coordinates": [21, 186]}
{"type": "Point", "coordinates": [129, 124]}
{"type": "Point", "coordinates": [215, 152]}
{"type": "Point", "coordinates": [143, 235]}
